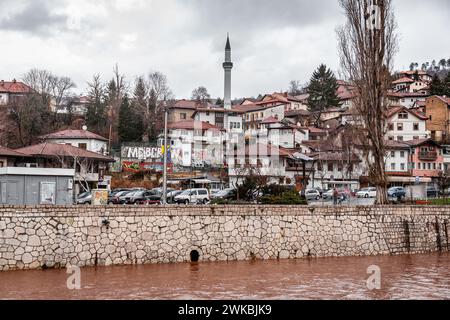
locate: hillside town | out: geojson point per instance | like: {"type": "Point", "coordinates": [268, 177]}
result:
{"type": "Point", "coordinates": [282, 138]}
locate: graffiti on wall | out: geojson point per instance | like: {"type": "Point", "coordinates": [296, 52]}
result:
{"type": "Point", "coordinates": [133, 166]}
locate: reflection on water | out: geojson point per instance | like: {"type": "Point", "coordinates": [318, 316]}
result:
{"type": "Point", "coordinates": [403, 277]}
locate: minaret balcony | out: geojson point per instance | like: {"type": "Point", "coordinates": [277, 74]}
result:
{"type": "Point", "coordinates": [228, 65]}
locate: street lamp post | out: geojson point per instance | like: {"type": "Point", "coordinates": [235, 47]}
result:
{"type": "Point", "coordinates": [164, 195]}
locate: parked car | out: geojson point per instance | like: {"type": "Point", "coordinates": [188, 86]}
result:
{"type": "Point", "coordinates": [151, 197]}
{"type": "Point", "coordinates": [226, 194]}
{"type": "Point", "coordinates": [329, 194]}
{"type": "Point", "coordinates": [193, 196]}
{"type": "Point", "coordinates": [119, 198]}
{"type": "Point", "coordinates": [84, 198]}
{"type": "Point", "coordinates": [312, 194]}
{"type": "Point", "coordinates": [171, 195]}
{"type": "Point", "coordinates": [367, 193]}
{"type": "Point", "coordinates": [397, 192]}
{"type": "Point", "coordinates": [136, 196]}
{"type": "Point", "coordinates": [432, 192]}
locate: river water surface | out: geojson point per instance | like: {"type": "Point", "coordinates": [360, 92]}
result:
{"type": "Point", "coordinates": [403, 277]}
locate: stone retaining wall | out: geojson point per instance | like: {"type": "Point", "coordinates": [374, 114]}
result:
{"type": "Point", "coordinates": [48, 236]}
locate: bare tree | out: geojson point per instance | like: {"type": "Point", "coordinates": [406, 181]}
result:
{"type": "Point", "coordinates": [201, 95]}
{"type": "Point", "coordinates": [367, 44]}
{"type": "Point", "coordinates": [159, 85]}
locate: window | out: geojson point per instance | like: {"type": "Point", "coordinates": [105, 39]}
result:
{"type": "Point", "coordinates": [207, 113]}
{"type": "Point", "coordinates": [391, 127]}
{"type": "Point", "coordinates": [391, 138]}
{"type": "Point", "coordinates": [403, 115]}
{"type": "Point", "coordinates": [429, 166]}
{"type": "Point", "coordinates": [400, 138]}
{"type": "Point", "coordinates": [48, 193]}
{"type": "Point", "coordinates": [82, 146]}
{"type": "Point", "coordinates": [183, 116]}
{"type": "Point", "coordinates": [402, 154]}
{"type": "Point", "coordinates": [330, 167]}
{"type": "Point", "coordinates": [399, 126]}
{"type": "Point", "coordinates": [402, 167]}
{"type": "Point", "coordinates": [393, 166]}
{"type": "Point", "coordinates": [416, 127]}
{"type": "Point", "coordinates": [416, 138]}
{"type": "Point", "coordinates": [434, 166]}
{"type": "Point", "coordinates": [392, 154]}
{"type": "Point", "coordinates": [339, 169]}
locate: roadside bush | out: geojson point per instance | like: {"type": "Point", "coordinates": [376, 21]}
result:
{"type": "Point", "coordinates": [286, 198]}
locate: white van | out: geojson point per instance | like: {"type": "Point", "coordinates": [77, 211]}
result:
{"type": "Point", "coordinates": [193, 196]}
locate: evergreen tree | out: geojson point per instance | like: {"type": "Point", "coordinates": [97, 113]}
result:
{"type": "Point", "coordinates": [96, 115]}
{"type": "Point", "coordinates": [436, 86]}
{"type": "Point", "coordinates": [322, 92]}
{"type": "Point", "coordinates": [446, 85]}
{"type": "Point", "coordinates": [219, 102]}
{"type": "Point", "coordinates": [140, 95]}
{"type": "Point", "coordinates": [130, 124]}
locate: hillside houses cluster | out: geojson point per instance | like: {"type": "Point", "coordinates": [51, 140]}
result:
{"type": "Point", "coordinates": [277, 130]}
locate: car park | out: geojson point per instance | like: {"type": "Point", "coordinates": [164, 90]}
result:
{"type": "Point", "coordinates": [432, 192]}
{"type": "Point", "coordinates": [367, 193]}
{"type": "Point", "coordinates": [119, 198]}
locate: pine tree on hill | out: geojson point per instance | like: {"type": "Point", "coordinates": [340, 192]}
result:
{"type": "Point", "coordinates": [130, 122]}
{"type": "Point", "coordinates": [322, 92]}
{"type": "Point", "coordinates": [446, 85]}
{"type": "Point", "coordinates": [437, 86]}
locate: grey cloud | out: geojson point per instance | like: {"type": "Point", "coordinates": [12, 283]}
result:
{"type": "Point", "coordinates": [37, 17]}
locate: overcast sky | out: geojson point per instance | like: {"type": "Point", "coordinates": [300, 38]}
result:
{"type": "Point", "coordinates": [273, 42]}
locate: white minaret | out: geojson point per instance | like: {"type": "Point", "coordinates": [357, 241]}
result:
{"type": "Point", "coordinates": [227, 66]}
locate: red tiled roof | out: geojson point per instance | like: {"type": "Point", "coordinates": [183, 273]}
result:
{"type": "Point", "coordinates": [316, 130]}
{"type": "Point", "coordinates": [14, 87]}
{"type": "Point", "coordinates": [270, 120]}
{"type": "Point", "coordinates": [294, 113]}
{"type": "Point", "coordinates": [62, 150]}
{"type": "Point", "coordinates": [403, 80]}
{"type": "Point", "coordinates": [73, 134]}
{"type": "Point", "coordinates": [335, 156]}
{"type": "Point", "coordinates": [411, 143]}
{"type": "Point", "coordinates": [188, 104]}
{"type": "Point", "coordinates": [192, 125]}
{"type": "Point", "coordinates": [393, 111]}
{"type": "Point", "coordinates": [444, 99]}
{"type": "Point", "coordinates": [6, 152]}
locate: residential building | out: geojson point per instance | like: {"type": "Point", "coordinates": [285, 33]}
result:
{"type": "Point", "coordinates": [438, 115]}
{"type": "Point", "coordinates": [408, 99]}
{"type": "Point", "coordinates": [195, 144]}
{"type": "Point", "coordinates": [82, 139]}
{"type": "Point", "coordinates": [11, 91]}
{"type": "Point", "coordinates": [406, 124]}
{"type": "Point", "coordinates": [408, 160]}
{"type": "Point", "coordinates": [25, 183]}
{"type": "Point", "coordinates": [90, 167]}
{"type": "Point", "coordinates": [183, 110]}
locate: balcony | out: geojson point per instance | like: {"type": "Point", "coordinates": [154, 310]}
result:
{"type": "Point", "coordinates": [428, 156]}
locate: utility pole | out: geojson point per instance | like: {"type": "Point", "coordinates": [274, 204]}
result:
{"type": "Point", "coordinates": [164, 195]}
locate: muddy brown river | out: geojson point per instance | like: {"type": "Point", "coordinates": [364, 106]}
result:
{"type": "Point", "coordinates": [402, 277]}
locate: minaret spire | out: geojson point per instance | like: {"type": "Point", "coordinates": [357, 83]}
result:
{"type": "Point", "coordinates": [227, 66]}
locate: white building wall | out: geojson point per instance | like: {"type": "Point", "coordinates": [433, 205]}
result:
{"type": "Point", "coordinates": [4, 98]}
{"type": "Point", "coordinates": [408, 133]}
{"type": "Point", "coordinates": [93, 145]}
{"type": "Point", "coordinates": [397, 161]}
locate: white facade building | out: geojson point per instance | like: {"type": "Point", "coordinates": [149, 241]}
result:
{"type": "Point", "coordinates": [82, 139]}
{"type": "Point", "coordinates": [405, 125]}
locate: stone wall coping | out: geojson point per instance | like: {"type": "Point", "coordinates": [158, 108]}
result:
{"type": "Point", "coordinates": [214, 210]}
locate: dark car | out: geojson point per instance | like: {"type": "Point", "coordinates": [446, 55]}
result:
{"type": "Point", "coordinates": [432, 192]}
{"type": "Point", "coordinates": [137, 196]}
{"type": "Point", "coordinates": [226, 194]}
{"type": "Point", "coordinates": [118, 198]}
{"type": "Point", "coordinates": [151, 197]}
{"type": "Point", "coordinates": [397, 192]}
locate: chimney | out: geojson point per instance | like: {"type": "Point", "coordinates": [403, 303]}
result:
{"type": "Point", "coordinates": [2, 83]}
{"type": "Point", "coordinates": [14, 81]}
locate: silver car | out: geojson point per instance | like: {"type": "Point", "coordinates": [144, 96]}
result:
{"type": "Point", "coordinates": [312, 195]}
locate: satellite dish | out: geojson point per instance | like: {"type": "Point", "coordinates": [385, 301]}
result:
{"type": "Point", "coordinates": [85, 128]}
